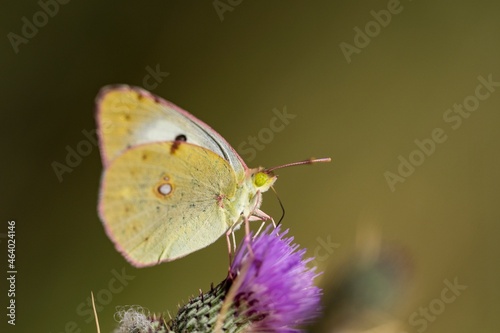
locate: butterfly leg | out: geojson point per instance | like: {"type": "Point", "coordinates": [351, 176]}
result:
{"type": "Point", "coordinates": [237, 280]}
{"type": "Point", "coordinates": [248, 236]}
{"type": "Point", "coordinates": [229, 250]}
{"type": "Point", "coordinates": [260, 228]}
{"type": "Point", "coordinates": [259, 215]}
{"type": "Point", "coordinates": [234, 241]}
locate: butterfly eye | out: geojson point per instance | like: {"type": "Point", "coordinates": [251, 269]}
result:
{"type": "Point", "coordinates": [260, 179]}
{"type": "Point", "coordinates": [181, 137]}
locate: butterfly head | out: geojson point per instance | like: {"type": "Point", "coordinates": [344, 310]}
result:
{"type": "Point", "coordinates": [263, 180]}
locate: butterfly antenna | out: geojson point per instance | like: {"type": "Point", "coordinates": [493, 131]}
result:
{"type": "Point", "coordinates": [281, 205]}
{"type": "Point", "coordinates": [309, 161]}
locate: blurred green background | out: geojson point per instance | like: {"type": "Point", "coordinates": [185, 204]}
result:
{"type": "Point", "coordinates": [231, 67]}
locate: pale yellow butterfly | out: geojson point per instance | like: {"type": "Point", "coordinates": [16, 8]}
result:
{"type": "Point", "coordinates": [171, 184]}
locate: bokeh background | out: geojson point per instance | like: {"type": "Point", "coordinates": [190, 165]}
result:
{"type": "Point", "coordinates": [232, 66]}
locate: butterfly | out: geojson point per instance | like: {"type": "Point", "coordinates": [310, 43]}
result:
{"type": "Point", "coordinates": [171, 184]}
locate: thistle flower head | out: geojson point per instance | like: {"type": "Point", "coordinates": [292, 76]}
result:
{"type": "Point", "coordinates": [276, 292]}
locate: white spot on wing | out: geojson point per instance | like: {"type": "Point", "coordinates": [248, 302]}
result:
{"type": "Point", "coordinates": [164, 130]}
{"type": "Point", "coordinates": [165, 189]}
{"type": "Point", "coordinates": [160, 130]}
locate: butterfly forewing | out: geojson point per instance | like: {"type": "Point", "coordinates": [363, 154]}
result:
{"type": "Point", "coordinates": [161, 201]}
{"type": "Point", "coordinates": [129, 116]}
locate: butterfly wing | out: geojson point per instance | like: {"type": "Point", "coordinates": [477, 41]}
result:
{"type": "Point", "coordinates": [129, 116]}
{"type": "Point", "coordinates": [159, 201]}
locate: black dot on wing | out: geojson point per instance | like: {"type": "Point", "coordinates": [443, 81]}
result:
{"type": "Point", "coordinates": [181, 137]}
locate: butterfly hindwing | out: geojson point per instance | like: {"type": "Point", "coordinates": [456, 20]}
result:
{"type": "Point", "coordinates": [159, 201]}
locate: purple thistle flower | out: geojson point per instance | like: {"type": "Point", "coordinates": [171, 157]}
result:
{"type": "Point", "coordinates": [277, 293]}
{"type": "Point", "coordinates": [269, 289]}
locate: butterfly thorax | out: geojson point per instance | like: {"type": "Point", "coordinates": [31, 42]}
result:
{"type": "Point", "coordinates": [248, 196]}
